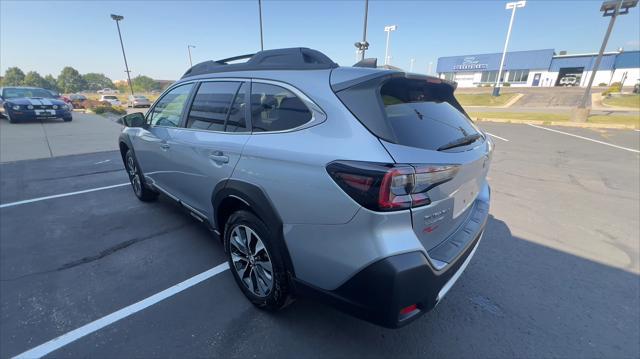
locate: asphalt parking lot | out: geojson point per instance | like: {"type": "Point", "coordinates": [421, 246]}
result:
{"type": "Point", "coordinates": [556, 274]}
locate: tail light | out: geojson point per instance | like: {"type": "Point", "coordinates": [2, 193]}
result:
{"type": "Point", "coordinates": [389, 187]}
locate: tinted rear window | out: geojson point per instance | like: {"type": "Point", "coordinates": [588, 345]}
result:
{"type": "Point", "coordinates": [410, 112]}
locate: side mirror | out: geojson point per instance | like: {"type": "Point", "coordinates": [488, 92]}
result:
{"type": "Point", "coordinates": [133, 120]}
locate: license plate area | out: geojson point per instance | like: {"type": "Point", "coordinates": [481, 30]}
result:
{"type": "Point", "coordinates": [45, 113]}
{"type": "Point", "coordinates": [464, 196]}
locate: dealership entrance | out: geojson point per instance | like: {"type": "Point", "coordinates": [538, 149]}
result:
{"type": "Point", "coordinates": [569, 76]}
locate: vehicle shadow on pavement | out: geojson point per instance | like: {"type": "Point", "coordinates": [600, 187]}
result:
{"type": "Point", "coordinates": [516, 299]}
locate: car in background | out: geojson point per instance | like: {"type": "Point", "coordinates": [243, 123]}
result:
{"type": "Point", "coordinates": [138, 101]}
{"type": "Point", "coordinates": [19, 104]}
{"type": "Point", "coordinates": [107, 91]}
{"type": "Point", "coordinates": [111, 99]}
{"type": "Point", "coordinates": [569, 81]}
{"type": "Point", "coordinates": [77, 100]}
{"type": "Point", "coordinates": [636, 87]}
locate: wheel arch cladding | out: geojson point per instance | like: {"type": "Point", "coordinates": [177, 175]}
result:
{"type": "Point", "coordinates": [124, 147]}
{"type": "Point", "coordinates": [231, 195]}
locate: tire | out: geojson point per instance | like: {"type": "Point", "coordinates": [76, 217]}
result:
{"type": "Point", "coordinates": [254, 285]}
{"type": "Point", "coordinates": [140, 189]}
{"type": "Point", "coordinates": [11, 120]}
{"type": "Point", "coordinates": [68, 119]}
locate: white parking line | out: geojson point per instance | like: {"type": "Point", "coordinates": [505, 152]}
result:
{"type": "Point", "coordinates": [11, 204]}
{"type": "Point", "coordinates": [59, 342]}
{"type": "Point", "coordinates": [498, 137]}
{"type": "Point", "coordinates": [585, 138]}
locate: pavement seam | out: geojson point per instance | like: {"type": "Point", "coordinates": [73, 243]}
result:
{"type": "Point", "coordinates": [46, 137]}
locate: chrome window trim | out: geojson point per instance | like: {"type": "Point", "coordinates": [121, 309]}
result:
{"type": "Point", "coordinates": [317, 114]}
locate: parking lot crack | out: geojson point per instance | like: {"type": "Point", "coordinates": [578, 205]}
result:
{"type": "Point", "coordinates": [102, 254]}
{"type": "Point", "coordinates": [46, 137]}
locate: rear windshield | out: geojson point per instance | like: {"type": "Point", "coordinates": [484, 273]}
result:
{"type": "Point", "coordinates": [412, 112]}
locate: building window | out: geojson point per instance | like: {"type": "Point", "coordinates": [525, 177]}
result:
{"type": "Point", "coordinates": [490, 76]}
{"type": "Point", "coordinates": [449, 75]}
{"type": "Point", "coordinates": [518, 75]}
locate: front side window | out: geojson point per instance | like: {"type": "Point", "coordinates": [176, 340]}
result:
{"type": "Point", "coordinates": [274, 108]}
{"type": "Point", "coordinates": [211, 105]}
{"type": "Point", "coordinates": [168, 110]}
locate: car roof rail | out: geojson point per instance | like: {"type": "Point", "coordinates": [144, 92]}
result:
{"type": "Point", "coordinates": [296, 58]}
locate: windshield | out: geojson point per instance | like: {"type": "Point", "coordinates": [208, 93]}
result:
{"type": "Point", "coordinates": [9, 93]}
{"type": "Point", "coordinates": [110, 98]}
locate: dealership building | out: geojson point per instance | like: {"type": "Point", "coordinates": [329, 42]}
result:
{"type": "Point", "coordinates": [541, 68]}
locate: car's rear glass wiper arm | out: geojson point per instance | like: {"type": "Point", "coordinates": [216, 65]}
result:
{"type": "Point", "coordinates": [462, 141]}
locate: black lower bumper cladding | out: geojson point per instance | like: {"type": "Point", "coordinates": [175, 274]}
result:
{"type": "Point", "coordinates": [380, 291]}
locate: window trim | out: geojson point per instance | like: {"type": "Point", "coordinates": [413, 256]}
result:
{"type": "Point", "coordinates": [318, 116]}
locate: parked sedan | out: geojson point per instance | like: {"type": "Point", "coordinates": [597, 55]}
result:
{"type": "Point", "coordinates": [31, 103]}
{"type": "Point", "coordinates": [138, 101]}
{"type": "Point", "coordinates": [113, 100]}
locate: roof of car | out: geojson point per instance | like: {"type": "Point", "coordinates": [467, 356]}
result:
{"type": "Point", "coordinates": [296, 58]}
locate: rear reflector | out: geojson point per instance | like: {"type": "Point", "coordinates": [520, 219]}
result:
{"type": "Point", "coordinates": [408, 310]}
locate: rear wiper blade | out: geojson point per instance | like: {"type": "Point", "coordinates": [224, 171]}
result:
{"type": "Point", "coordinates": [462, 141]}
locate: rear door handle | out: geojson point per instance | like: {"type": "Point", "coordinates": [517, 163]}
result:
{"type": "Point", "coordinates": [219, 157]}
{"type": "Point", "coordinates": [164, 146]}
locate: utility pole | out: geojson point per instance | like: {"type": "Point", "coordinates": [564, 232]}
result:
{"type": "Point", "coordinates": [363, 45]}
{"type": "Point", "coordinates": [260, 11]}
{"type": "Point", "coordinates": [388, 30]}
{"type": "Point", "coordinates": [189, 47]}
{"type": "Point", "coordinates": [117, 19]}
{"type": "Point", "coordinates": [611, 9]}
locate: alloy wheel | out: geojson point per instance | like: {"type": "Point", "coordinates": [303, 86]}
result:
{"type": "Point", "coordinates": [134, 176]}
{"type": "Point", "coordinates": [251, 260]}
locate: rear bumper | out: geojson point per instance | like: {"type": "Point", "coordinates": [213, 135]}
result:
{"type": "Point", "coordinates": [379, 291]}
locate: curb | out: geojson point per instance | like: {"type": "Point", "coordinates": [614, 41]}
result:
{"type": "Point", "coordinates": [557, 123]}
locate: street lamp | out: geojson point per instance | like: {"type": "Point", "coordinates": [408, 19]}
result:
{"type": "Point", "coordinates": [363, 45]}
{"type": "Point", "coordinates": [117, 19]}
{"type": "Point", "coordinates": [260, 15]}
{"type": "Point", "coordinates": [612, 9]}
{"type": "Point", "coordinates": [388, 30]}
{"type": "Point", "coordinates": [189, 47]}
{"type": "Point", "coordinates": [510, 6]}
{"type": "Point", "coordinates": [411, 62]}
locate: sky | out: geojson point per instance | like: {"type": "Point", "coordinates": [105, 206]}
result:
{"type": "Point", "coordinates": [46, 36]}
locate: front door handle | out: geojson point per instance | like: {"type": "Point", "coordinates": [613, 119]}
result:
{"type": "Point", "coordinates": [219, 157]}
{"type": "Point", "coordinates": [164, 146]}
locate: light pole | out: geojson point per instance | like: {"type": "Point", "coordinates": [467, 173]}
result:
{"type": "Point", "coordinates": [189, 47]}
{"type": "Point", "coordinates": [411, 62]}
{"type": "Point", "coordinates": [611, 9]}
{"type": "Point", "coordinates": [117, 19]}
{"type": "Point", "coordinates": [388, 30]}
{"type": "Point", "coordinates": [510, 6]}
{"type": "Point", "coordinates": [363, 45]}
{"type": "Point", "coordinates": [429, 70]}
{"type": "Point", "coordinates": [260, 14]}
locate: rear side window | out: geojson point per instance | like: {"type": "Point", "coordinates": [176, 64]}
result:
{"type": "Point", "coordinates": [411, 112]}
{"type": "Point", "coordinates": [274, 108]}
{"type": "Point", "coordinates": [211, 105]}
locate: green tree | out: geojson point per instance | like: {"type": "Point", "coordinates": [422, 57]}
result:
{"type": "Point", "coordinates": [13, 77]}
{"type": "Point", "coordinates": [70, 80]}
{"type": "Point", "coordinates": [32, 78]}
{"type": "Point", "coordinates": [144, 84]}
{"type": "Point", "coordinates": [95, 81]}
{"type": "Point", "coordinates": [51, 83]}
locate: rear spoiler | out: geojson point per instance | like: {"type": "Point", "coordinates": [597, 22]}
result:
{"type": "Point", "coordinates": [383, 75]}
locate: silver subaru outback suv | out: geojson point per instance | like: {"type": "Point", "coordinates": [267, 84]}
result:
{"type": "Point", "coordinates": [359, 186]}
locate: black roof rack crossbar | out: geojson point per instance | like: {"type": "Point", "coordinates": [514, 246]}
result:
{"type": "Point", "coordinates": [296, 58]}
{"type": "Point", "coordinates": [235, 58]}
